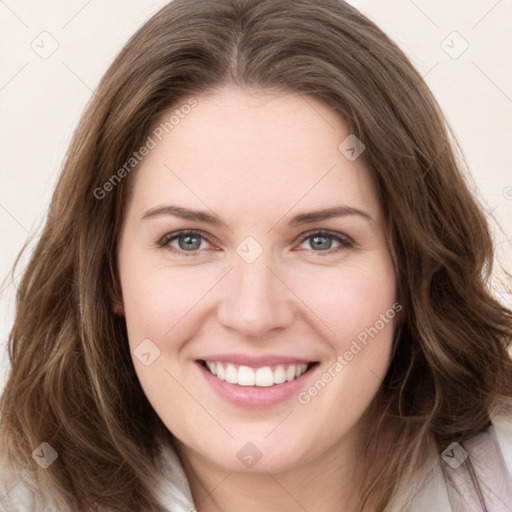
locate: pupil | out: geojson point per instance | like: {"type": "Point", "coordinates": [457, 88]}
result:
{"type": "Point", "coordinates": [190, 242]}
{"type": "Point", "coordinates": [318, 241]}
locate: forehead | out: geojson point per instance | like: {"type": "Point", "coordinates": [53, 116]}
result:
{"type": "Point", "coordinates": [254, 151]}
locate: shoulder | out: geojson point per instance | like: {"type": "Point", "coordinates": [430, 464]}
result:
{"type": "Point", "coordinates": [503, 427]}
{"type": "Point", "coordinates": [426, 492]}
{"type": "Point", "coordinates": [16, 494]}
{"type": "Point", "coordinates": [442, 485]}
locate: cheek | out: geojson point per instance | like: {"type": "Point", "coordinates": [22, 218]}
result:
{"type": "Point", "coordinates": [156, 301]}
{"type": "Point", "coordinates": [358, 304]}
{"type": "Point", "coordinates": [349, 299]}
{"type": "Point", "coordinates": [158, 318]}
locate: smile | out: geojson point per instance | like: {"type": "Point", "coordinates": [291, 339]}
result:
{"type": "Point", "coordinates": [264, 377]}
{"type": "Point", "coordinates": [256, 381]}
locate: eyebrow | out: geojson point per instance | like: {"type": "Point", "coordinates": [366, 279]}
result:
{"type": "Point", "coordinates": [184, 213]}
{"type": "Point", "coordinates": [307, 217]}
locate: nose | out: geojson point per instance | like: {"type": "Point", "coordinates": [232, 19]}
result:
{"type": "Point", "coordinates": [255, 300]}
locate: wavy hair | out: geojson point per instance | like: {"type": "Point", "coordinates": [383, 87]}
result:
{"type": "Point", "coordinates": [72, 382]}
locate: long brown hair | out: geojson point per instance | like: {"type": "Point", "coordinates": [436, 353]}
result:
{"type": "Point", "coordinates": [72, 382]}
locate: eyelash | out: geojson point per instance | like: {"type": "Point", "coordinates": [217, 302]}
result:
{"type": "Point", "coordinates": [344, 241]}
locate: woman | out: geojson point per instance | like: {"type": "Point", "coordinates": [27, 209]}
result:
{"type": "Point", "coordinates": [262, 285]}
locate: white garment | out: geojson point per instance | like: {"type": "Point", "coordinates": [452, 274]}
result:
{"type": "Point", "coordinates": [176, 496]}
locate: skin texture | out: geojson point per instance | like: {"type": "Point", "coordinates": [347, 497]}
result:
{"type": "Point", "coordinates": [255, 160]}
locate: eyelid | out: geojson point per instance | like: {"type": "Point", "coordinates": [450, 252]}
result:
{"type": "Point", "coordinates": [329, 232]}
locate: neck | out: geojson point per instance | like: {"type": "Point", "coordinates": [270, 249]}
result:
{"type": "Point", "coordinates": [325, 483]}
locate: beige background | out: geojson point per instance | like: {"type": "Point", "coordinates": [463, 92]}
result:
{"type": "Point", "coordinates": [41, 99]}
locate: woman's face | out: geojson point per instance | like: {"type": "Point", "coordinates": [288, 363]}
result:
{"type": "Point", "coordinates": [253, 247]}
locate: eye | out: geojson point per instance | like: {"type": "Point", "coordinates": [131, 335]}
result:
{"type": "Point", "coordinates": [322, 241]}
{"type": "Point", "coordinates": [190, 243]}
{"type": "Point", "coordinates": [182, 242]}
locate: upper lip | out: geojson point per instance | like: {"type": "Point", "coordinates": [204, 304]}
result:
{"type": "Point", "coordinates": [255, 361]}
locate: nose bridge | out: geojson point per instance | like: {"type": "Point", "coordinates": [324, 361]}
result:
{"type": "Point", "coordinates": [255, 300]}
{"type": "Point", "coordinates": [254, 282]}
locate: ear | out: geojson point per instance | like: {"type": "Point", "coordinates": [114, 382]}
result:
{"type": "Point", "coordinates": [116, 301]}
{"type": "Point", "coordinates": [118, 308]}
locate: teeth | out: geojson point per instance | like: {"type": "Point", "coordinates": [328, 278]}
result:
{"type": "Point", "coordinates": [279, 375]}
{"type": "Point", "coordinates": [212, 367]}
{"type": "Point", "coordinates": [263, 377]}
{"type": "Point", "coordinates": [290, 373]}
{"type": "Point", "coordinates": [231, 374]}
{"type": "Point", "coordinates": [245, 376]}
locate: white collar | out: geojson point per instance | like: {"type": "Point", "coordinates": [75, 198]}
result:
{"type": "Point", "coordinates": [174, 490]}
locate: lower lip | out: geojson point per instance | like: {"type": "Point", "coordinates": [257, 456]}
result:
{"type": "Point", "coordinates": [255, 396]}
